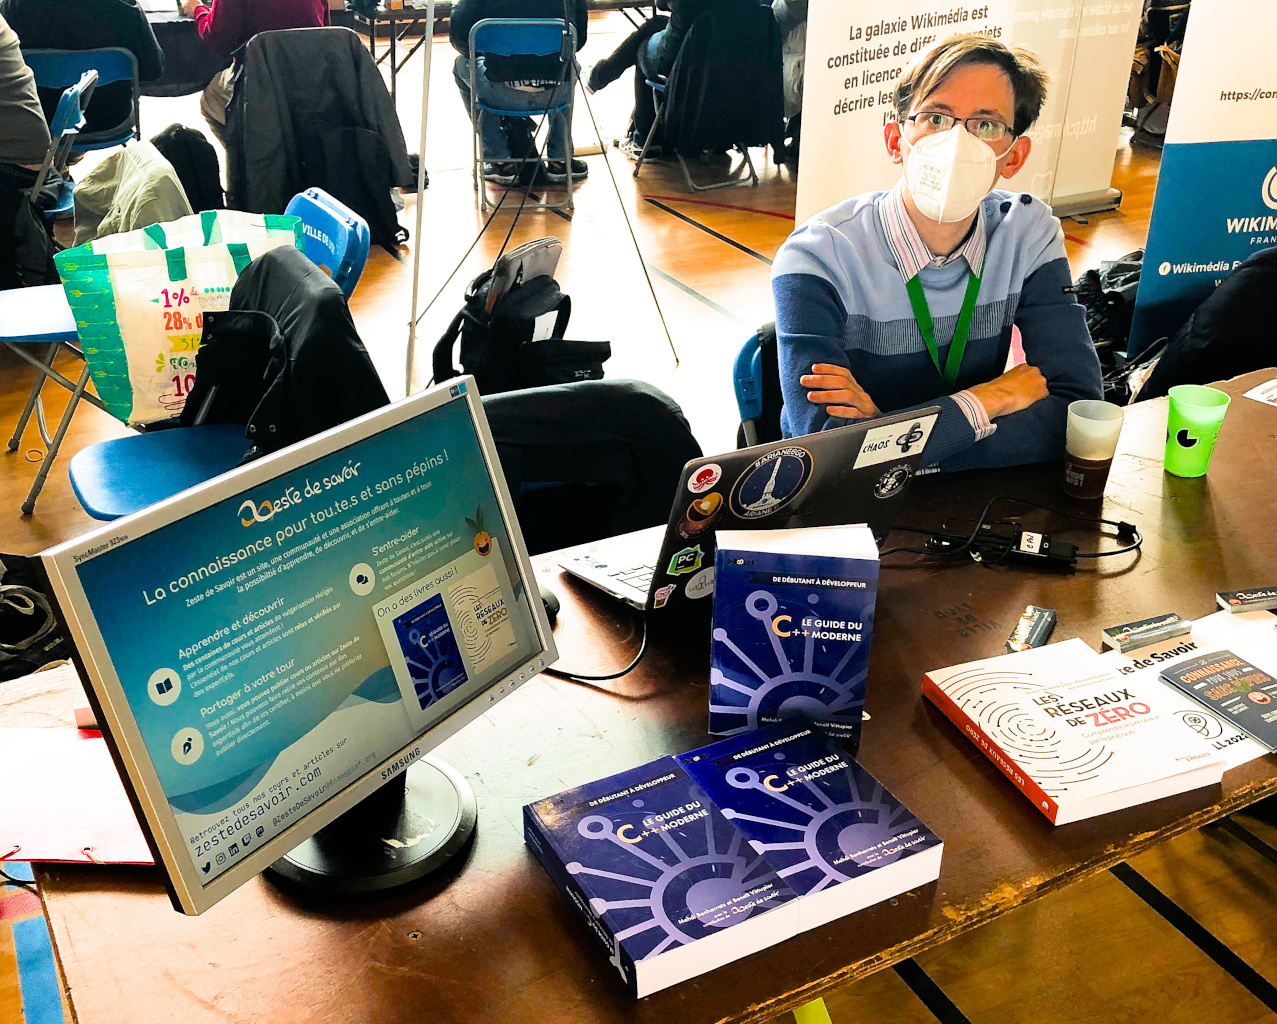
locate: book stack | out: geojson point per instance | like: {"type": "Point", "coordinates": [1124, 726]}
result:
{"type": "Point", "coordinates": [690, 862]}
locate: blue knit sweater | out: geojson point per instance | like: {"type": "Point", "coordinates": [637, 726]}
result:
{"type": "Point", "coordinates": [841, 299]}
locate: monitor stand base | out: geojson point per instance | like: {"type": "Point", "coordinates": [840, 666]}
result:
{"type": "Point", "coordinates": [410, 827]}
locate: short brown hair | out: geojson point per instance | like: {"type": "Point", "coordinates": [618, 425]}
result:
{"type": "Point", "coordinates": [1027, 74]}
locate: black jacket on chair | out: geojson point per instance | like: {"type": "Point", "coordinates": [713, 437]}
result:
{"type": "Point", "coordinates": [1229, 334]}
{"type": "Point", "coordinates": [285, 359]}
{"type": "Point", "coordinates": [89, 25]}
{"type": "Point", "coordinates": [613, 449]}
{"type": "Point", "coordinates": [725, 88]}
{"type": "Point", "coordinates": [310, 108]}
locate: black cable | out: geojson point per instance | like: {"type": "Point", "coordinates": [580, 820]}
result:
{"type": "Point", "coordinates": [1124, 529]}
{"type": "Point", "coordinates": [527, 190]}
{"type": "Point", "coordinates": [19, 882]}
{"type": "Point", "coordinates": [577, 677]}
{"type": "Point", "coordinates": [625, 213]}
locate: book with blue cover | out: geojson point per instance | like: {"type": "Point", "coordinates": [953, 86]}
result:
{"type": "Point", "coordinates": [832, 831]}
{"type": "Point", "coordinates": [793, 617]}
{"type": "Point", "coordinates": [666, 884]}
{"type": "Point", "coordinates": [673, 883]}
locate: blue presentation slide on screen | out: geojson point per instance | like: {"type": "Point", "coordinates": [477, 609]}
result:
{"type": "Point", "coordinates": [276, 646]}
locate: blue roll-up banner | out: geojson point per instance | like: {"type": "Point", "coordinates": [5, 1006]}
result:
{"type": "Point", "coordinates": [1216, 201]}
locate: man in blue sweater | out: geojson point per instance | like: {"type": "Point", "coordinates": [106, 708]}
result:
{"type": "Point", "coordinates": [906, 298]}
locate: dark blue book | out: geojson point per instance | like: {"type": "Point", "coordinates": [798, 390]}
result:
{"type": "Point", "coordinates": [1233, 688]}
{"type": "Point", "coordinates": [793, 617]}
{"type": "Point", "coordinates": [830, 829]}
{"type": "Point", "coordinates": [666, 884]}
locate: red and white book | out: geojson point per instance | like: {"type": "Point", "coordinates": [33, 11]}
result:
{"type": "Point", "coordinates": [1077, 738]}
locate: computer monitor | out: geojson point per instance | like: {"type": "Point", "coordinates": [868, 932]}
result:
{"type": "Point", "coordinates": [266, 650]}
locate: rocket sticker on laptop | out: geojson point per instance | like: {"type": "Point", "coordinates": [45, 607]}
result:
{"type": "Point", "coordinates": [771, 482]}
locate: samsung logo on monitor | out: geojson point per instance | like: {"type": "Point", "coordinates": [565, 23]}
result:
{"type": "Point", "coordinates": [400, 763]}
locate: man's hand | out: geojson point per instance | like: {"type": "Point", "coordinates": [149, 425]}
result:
{"type": "Point", "coordinates": [187, 7]}
{"type": "Point", "coordinates": [1016, 389]}
{"type": "Point", "coordinates": [835, 388]}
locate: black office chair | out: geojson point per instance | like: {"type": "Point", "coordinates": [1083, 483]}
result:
{"type": "Point", "coordinates": [590, 459]}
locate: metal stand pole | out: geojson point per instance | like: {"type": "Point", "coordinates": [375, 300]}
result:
{"type": "Point", "coordinates": [421, 190]}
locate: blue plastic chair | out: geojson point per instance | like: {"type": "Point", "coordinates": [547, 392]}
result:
{"type": "Point", "coordinates": [747, 382]}
{"type": "Point", "coordinates": [124, 475]}
{"type": "Point", "coordinates": [113, 478]}
{"type": "Point", "coordinates": [68, 122]}
{"type": "Point", "coordinates": [29, 318]}
{"type": "Point", "coordinates": [530, 37]}
{"type": "Point", "coordinates": [61, 69]}
{"type": "Point", "coordinates": [336, 237]}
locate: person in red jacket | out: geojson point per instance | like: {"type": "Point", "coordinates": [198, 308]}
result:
{"type": "Point", "coordinates": [226, 25]}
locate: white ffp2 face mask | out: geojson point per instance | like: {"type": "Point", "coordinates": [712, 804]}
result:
{"type": "Point", "coordinates": [949, 174]}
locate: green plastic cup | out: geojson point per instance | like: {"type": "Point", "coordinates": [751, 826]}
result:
{"type": "Point", "coordinates": [1192, 424]}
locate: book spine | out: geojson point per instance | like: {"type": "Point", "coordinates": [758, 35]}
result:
{"type": "Point", "coordinates": [548, 854]}
{"type": "Point", "coordinates": [990, 749]}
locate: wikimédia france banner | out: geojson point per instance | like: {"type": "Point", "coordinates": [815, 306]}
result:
{"type": "Point", "coordinates": [1216, 201]}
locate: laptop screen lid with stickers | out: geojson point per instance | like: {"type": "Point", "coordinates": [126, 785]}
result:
{"type": "Point", "coordinates": [853, 474]}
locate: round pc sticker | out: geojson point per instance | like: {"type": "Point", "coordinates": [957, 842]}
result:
{"type": "Point", "coordinates": [704, 478]}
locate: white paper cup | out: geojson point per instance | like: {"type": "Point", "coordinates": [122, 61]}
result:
{"type": "Point", "coordinates": [1090, 442]}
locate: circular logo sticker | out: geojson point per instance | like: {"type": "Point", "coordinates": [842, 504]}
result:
{"type": "Point", "coordinates": [892, 481]}
{"type": "Point", "coordinates": [704, 478]}
{"type": "Point", "coordinates": [700, 585]}
{"type": "Point", "coordinates": [700, 514]}
{"type": "Point", "coordinates": [771, 483]}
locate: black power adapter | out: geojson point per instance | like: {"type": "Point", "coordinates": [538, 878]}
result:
{"type": "Point", "coordinates": [994, 546]}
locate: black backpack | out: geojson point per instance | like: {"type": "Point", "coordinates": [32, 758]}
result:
{"type": "Point", "coordinates": [195, 161]}
{"type": "Point", "coordinates": [497, 346]}
{"type": "Point", "coordinates": [26, 243]}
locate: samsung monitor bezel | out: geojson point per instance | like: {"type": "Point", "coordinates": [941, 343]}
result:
{"type": "Point", "coordinates": [115, 717]}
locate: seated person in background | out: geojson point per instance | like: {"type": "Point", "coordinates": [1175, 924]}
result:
{"type": "Point", "coordinates": [89, 25]}
{"type": "Point", "coordinates": [24, 133]}
{"type": "Point", "coordinates": [24, 143]}
{"type": "Point", "coordinates": [517, 83]}
{"type": "Point", "coordinates": [899, 299]}
{"type": "Point", "coordinates": [226, 25]}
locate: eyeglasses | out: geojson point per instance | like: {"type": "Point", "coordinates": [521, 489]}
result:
{"type": "Point", "coordinates": [986, 129]}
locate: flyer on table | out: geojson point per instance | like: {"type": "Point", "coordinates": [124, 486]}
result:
{"type": "Point", "coordinates": [277, 645]}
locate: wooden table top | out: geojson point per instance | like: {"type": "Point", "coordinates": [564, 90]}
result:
{"type": "Point", "coordinates": [495, 941]}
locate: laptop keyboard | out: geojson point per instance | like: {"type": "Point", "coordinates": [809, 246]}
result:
{"type": "Point", "coordinates": [638, 576]}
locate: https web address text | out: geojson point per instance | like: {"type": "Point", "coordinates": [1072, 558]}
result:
{"type": "Point", "coordinates": [1236, 96]}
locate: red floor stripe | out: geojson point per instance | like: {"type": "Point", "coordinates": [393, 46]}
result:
{"type": "Point", "coordinates": [20, 903]}
{"type": "Point", "coordinates": [722, 206]}
{"type": "Point", "coordinates": [1077, 241]}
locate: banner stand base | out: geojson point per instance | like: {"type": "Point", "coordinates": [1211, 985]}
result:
{"type": "Point", "coordinates": [1087, 202]}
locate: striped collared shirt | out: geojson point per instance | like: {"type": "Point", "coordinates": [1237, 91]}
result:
{"type": "Point", "coordinates": [911, 254]}
{"type": "Point", "coordinates": [910, 251]}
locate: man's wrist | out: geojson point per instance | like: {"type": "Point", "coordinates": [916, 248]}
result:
{"type": "Point", "coordinates": [990, 396]}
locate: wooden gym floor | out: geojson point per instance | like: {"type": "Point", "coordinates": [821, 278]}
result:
{"type": "Point", "coordinates": [1097, 952]}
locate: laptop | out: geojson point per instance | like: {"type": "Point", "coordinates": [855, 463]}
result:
{"type": "Point", "coordinates": [853, 474]}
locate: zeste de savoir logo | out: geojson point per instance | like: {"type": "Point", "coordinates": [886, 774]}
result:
{"type": "Point", "coordinates": [251, 511]}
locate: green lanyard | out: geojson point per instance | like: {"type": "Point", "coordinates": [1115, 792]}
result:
{"type": "Point", "coordinates": [922, 313]}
